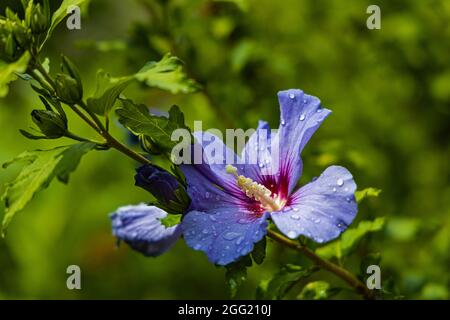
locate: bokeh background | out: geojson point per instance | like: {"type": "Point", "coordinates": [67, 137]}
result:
{"type": "Point", "coordinates": [389, 90]}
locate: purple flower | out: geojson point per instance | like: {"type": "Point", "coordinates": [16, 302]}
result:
{"type": "Point", "coordinates": [230, 205]}
{"type": "Point", "coordinates": [141, 228]}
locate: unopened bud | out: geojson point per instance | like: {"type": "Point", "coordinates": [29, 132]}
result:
{"type": "Point", "coordinates": [51, 124]}
{"type": "Point", "coordinates": [68, 89]}
{"type": "Point", "coordinates": [37, 17]}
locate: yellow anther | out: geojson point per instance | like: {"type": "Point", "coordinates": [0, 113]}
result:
{"type": "Point", "coordinates": [256, 191]}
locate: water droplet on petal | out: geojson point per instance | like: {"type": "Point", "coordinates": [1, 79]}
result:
{"type": "Point", "coordinates": [346, 189]}
{"type": "Point", "coordinates": [292, 234]}
{"type": "Point", "coordinates": [317, 221]}
{"type": "Point", "coordinates": [319, 240]}
{"type": "Point", "coordinates": [239, 241]}
{"type": "Point", "coordinates": [334, 189]}
{"type": "Point", "coordinates": [340, 182]}
{"type": "Point", "coordinates": [197, 246]}
{"type": "Point", "coordinates": [295, 209]}
{"type": "Point", "coordinates": [319, 110]}
{"type": "Point", "coordinates": [292, 96]}
{"type": "Point", "coordinates": [205, 231]}
{"type": "Point", "coordinates": [302, 117]}
{"type": "Point", "coordinates": [295, 217]}
{"type": "Point", "coordinates": [261, 165]}
{"type": "Point", "coordinates": [231, 235]}
{"type": "Point", "coordinates": [212, 218]}
{"type": "Point", "coordinates": [348, 199]}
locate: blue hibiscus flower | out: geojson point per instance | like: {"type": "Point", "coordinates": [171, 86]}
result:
{"type": "Point", "coordinates": [230, 206]}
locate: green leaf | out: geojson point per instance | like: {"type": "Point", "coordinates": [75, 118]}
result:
{"type": "Point", "coordinates": [259, 251]}
{"type": "Point", "coordinates": [368, 192]}
{"type": "Point", "coordinates": [167, 74]}
{"type": "Point", "coordinates": [61, 13]}
{"type": "Point", "coordinates": [281, 282]}
{"type": "Point", "coordinates": [138, 120]}
{"type": "Point", "coordinates": [349, 239]}
{"type": "Point", "coordinates": [107, 92]}
{"type": "Point", "coordinates": [70, 159]}
{"type": "Point", "coordinates": [236, 274]}
{"type": "Point", "coordinates": [171, 220]}
{"type": "Point", "coordinates": [317, 290]}
{"type": "Point", "coordinates": [40, 169]}
{"type": "Point", "coordinates": [8, 72]}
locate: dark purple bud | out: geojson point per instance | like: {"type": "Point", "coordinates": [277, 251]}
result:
{"type": "Point", "coordinates": [160, 183]}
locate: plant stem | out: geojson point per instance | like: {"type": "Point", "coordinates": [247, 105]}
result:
{"type": "Point", "coordinates": [327, 265]}
{"type": "Point", "coordinates": [73, 136]}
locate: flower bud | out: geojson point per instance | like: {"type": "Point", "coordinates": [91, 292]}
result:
{"type": "Point", "coordinates": [21, 35]}
{"type": "Point", "coordinates": [37, 17]}
{"type": "Point", "coordinates": [69, 68]}
{"type": "Point", "coordinates": [68, 89]}
{"type": "Point", "coordinates": [170, 194]}
{"type": "Point", "coordinates": [10, 49]}
{"type": "Point", "coordinates": [51, 124]}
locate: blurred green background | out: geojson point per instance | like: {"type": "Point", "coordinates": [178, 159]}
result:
{"type": "Point", "coordinates": [389, 90]}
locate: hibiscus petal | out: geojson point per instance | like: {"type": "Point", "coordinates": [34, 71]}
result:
{"type": "Point", "coordinates": [140, 227]}
{"type": "Point", "coordinates": [257, 154]}
{"type": "Point", "coordinates": [225, 234]}
{"type": "Point", "coordinates": [209, 185]}
{"type": "Point", "coordinates": [322, 209]}
{"type": "Point", "coordinates": [301, 115]}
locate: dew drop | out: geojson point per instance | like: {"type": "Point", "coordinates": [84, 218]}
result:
{"type": "Point", "coordinates": [302, 117]}
{"type": "Point", "coordinates": [292, 96]}
{"type": "Point", "coordinates": [197, 247]}
{"type": "Point", "coordinates": [205, 231]}
{"type": "Point", "coordinates": [295, 217]}
{"type": "Point", "coordinates": [212, 218]}
{"type": "Point", "coordinates": [319, 110]}
{"type": "Point", "coordinates": [239, 241]}
{"type": "Point", "coordinates": [295, 209]}
{"type": "Point", "coordinates": [346, 189]}
{"type": "Point", "coordinates": [340, 182]}
{"type": "Point", "coordinates": [292, 234]}
{"type": "Point", "coordinates": [283, 123]}
{"type": "Point", "coordinates": [317, 221]}
{"type": "Point", "coordinates": [261, 165]}
{"type": "Point", "coordinates": [231, 235]}
{"type": "Point", "coordinates": [348, 200]}
{"type": "Point", "coordinates": [334, 189]}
